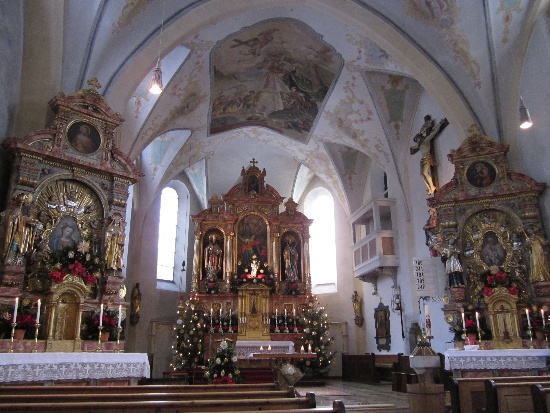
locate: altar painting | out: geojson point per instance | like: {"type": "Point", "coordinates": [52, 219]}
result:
{"type": "Point", "coordinates": [252, 245]}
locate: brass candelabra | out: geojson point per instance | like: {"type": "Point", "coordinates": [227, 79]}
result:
{"type": "Point", "coordinates": [13, 325]}
{"type": "Point", "coordinates": [118, 331]}
{"type": "Point", "coordinates": [35, 346]}
{"type": "Point", "coordinates": [530, 334]}
{"type": "Point", "coordinates": [98, 349]}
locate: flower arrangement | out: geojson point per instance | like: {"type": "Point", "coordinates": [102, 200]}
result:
{"type": "Point", "coordinates": [245, 276]}
{"type": "Point", "coordinates": [496, 277]}
{"type": "Point", "coordinates": [75, 261]}
{"type": "Point", "coordinates": [212, 287]}
{"type": "Point", "coordinates": [89, 329]}
{"type": "Point", "coordinates": [292, 288]}
{"type": "Point", "coordinates": [222, 366]}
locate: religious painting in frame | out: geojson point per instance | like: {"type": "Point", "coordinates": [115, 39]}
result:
{"type": "Point", "coordinates": [83, 137]}
{"type": "Point", "coordinates": [252, 243]}
{"type": "Point", "coordinates": [382, 327]}
{"type": "Point", "coordinates": [481, 174]}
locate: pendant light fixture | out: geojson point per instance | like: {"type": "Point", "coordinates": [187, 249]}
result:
{"type": "Point", "coordinates": [524, 116]}
{"type": "Point", "coordinates": [155, 87]}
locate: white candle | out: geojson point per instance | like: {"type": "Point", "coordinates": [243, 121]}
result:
{"type": "Point", "coordinates": [230, 314]}
{"type": "Point", "coordinates": [477, 319]}
{"type": "Point", "coordinates": [220, 312]}
{"type": "Point", "coordinates": [285, 312]}
{"type": "Point", "coordinates": [542, 315]}
{"type": "Point", "coordinates": [15, 310]}
{"type": "Point", "coordinates": [309, 348]}
{"type": "Point", "coordinates": [276, 312]}
{"type": "Point", "coordinates": [269, 348]}
{"type": "Point", "coordinates": [261, 348]}
{"type": "Point", "coordinates": [302, 349]}
{"type": "Point", "coordinates": [463, 322]}
{"type": "Point", "coordinates": [528, 319]}
{"type": "Point", "coordinates": [101, 315]}
{"type": "Point", "coordinates": [210, 311]}
{"type": "Point", "coordinates": [119, 314]}
{"type": "Point", "coordinates": [294, 312]}
{"type": "Point", "coordinates": [38, 312]}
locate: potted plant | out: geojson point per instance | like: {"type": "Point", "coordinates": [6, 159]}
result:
{"type": "Point", "coordinates": [90, 326]}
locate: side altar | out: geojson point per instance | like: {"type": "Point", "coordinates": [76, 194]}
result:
{"type": "Point", "coordinates": [486, 226]}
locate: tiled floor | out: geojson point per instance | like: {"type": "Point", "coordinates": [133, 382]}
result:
{"type": "Point", "coordinates": [352, 393]}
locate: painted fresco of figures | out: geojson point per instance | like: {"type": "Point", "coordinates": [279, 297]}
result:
{"type": "Point", "coordinates": [538, 259]}
{"type": "Point", "coordinates": [213, 258]}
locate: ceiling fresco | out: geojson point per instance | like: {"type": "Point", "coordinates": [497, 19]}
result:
{"type": "Point", "coordinates": [275, 74]}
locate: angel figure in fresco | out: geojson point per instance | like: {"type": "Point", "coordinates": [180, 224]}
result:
{"type": "Point", "coordinates": [423, 143]}
{"type": "Point", "coordinates": [540, 266]}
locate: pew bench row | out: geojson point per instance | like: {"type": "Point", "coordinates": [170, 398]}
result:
{"type": "Point", "coordinates": [497, 394]}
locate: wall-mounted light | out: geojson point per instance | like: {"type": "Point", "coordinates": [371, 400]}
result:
{"type": "Point", "coordinates": [524, 116]}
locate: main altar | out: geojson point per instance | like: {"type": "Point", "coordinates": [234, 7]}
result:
{"type": "Point", "coordinates": [251, 272]}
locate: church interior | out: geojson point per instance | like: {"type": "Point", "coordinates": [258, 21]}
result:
{"type": "Point", "coordinates": [344, 181]}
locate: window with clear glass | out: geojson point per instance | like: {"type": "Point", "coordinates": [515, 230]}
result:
{"type": "Point", "coordinates": [319, 206]}
{"type": "Point", "coordinates": [168, 225]}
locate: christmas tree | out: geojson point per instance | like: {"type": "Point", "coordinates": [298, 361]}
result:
{"type": "Point", "coordinates": [222, 367]}
{"type": "Point", "coordinates": [188, 349]}
{"type": "Point", "coordinates": [316, 339]}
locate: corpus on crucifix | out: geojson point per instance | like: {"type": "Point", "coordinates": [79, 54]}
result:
{"type": "Point", "coordinates": [423, 143]}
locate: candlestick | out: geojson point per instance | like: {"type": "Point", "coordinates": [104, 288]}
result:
{"type": "Point", "coordinates": [118, 331]}
{"type": "Point", "coordinates": [309, 348]}
{"type": "Point", "coordinates": [302, 349]}
{"type": "Point", "coordinates": [36, 327]}
{"type": "Point", "coordinates": [463, 321]}
{"type": "Point", "coordinates": [38, 312]}
{"type": "Point", "coordinates": [15, 309]}
{"type": "Point", "coordinates": [542, 315]}
{"type": "Point", "coordinates": [528, 319]}
{"type": "Point", "coordinates": [10, 348]}
{"type": "Point", "coordinates": [119, 314]}
{"type": "Point", "coordinates": [285, 312]}
{"type": "Point", "coordinates": [294, 312]}
{"type": "Point", "coordinates": [477, 320]}
{"type": "Point", "coordinates": [100, 328]}
{"type": "Point", "coordinates": [276, 312]}
{"type": "Point", "coordinates": [101, 315]}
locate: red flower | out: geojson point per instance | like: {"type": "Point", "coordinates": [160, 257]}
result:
{"type": "Point", "coordinates": [57, 276]}
{"type": "Point", "coordinates": [487, 291]}
{"type": "Point", "coordinates": [471, 324]}
{"type": "Point", "coordinates": [490, 279]}
{"type": "Point", "coordinates": [513, 290]}
{"type": "Point", "coordinates": [500, 277]}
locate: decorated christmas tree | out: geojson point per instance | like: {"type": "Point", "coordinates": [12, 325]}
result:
{"type": "Point", "coordinates": [188, 349]}
{"type": "Point", "coordinates": [316, 339]}
{"type": "Point", "coordinates": [222, 366]}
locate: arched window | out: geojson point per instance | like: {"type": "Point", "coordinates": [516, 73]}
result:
{"type": "Point", "coordinates": [319, 206]}
{"type": "Point", "coordinates": [168, 225]}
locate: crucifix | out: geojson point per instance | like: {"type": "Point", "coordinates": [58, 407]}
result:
{"type": "Point", "coordinates": [423, 143]}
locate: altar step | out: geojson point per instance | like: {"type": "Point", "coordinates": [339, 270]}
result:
{"type": "Point", "coordinates": [257, 375]}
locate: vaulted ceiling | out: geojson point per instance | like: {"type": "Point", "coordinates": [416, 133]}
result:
{"type": "Point", "coordinates": [326, 88]}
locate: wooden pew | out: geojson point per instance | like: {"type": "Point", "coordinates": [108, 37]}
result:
{"type": "Point", "coordinates": [153, 388]}
{"type": "Point", "coordinates": [468, 394]}
{"type": "Point", "coordinates": [359, 367]}
{"type": "Point", "coordinates": [403, 374]}
{"type": "Point", "coordinates": [100, 396]}
{"type": "Point", "coordinates": [385, 364]}
{"type": "Point", "coordinates": [155, 406]}
{"type": "Point", "coordinates": [540, 397]}
{"type": "Point", "coordinates": [514, 397]}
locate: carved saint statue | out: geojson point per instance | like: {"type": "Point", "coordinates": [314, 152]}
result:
{"type": "Point", "coordinates": [540, 267]}
{"type": "Point", "coordinates": [213, 258]}
{"type": "Point", "coordinates": [114, 239]}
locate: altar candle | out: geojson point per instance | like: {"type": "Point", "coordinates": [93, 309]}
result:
{"type": "Point", "coordinates": [15, 310]}
{"type": "Point", "coordinates": [294, 312]}
{"type": "Point", "coordinates": [309, 348]}
{"type": "Point", "coordinates": [477, 319]}
{"type": "Point", "coordinates": [38, 311]}
{"type": "Point", "coordinates": [210, 311]}
{"type": "Point", "coordinates": [528, 319]}
{"type": "Point", "coordinates": [220, 312]}
{"type": "Point", "coordinates": [269, 348]}
{"type": "Point", "coordinates": [302, 349]}
{"type": "Point", "coordinates": [101, 315]}
{"type": "Point", "coordinates": [261, 348]}
{"type": "Point", "coordinates": [119, 314]}
{"type": "Point", "coordinates": [276, 312]}
{"type": "Point", "coordinates": [230, 315]}
{"type": "Point", "coordinates": [542, 315]}
{"type": "Point", "coordinates": [463, 322]}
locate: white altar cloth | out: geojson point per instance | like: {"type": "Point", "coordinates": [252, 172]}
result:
{"type": "Point", "coordinates": [46, 367]}
{"type": "Point", "coordinates": [513, 359]}
{"type": "Point", "coordinates": [244, 348]}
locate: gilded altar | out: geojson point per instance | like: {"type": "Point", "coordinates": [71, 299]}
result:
{"type": "Point", "coordinates": [486, 226]}
{"type": "Point", "coordinates": [62, 234]}
{"type": "Point", "coordinates": [251, 260]}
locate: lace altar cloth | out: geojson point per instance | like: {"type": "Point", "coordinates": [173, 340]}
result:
{"type": "Point", "coordinates": [514, 359]}
{"type": "Point", "coordinates": [244, 348]}
{"type": "Point", "coordinates": [16, 367]}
